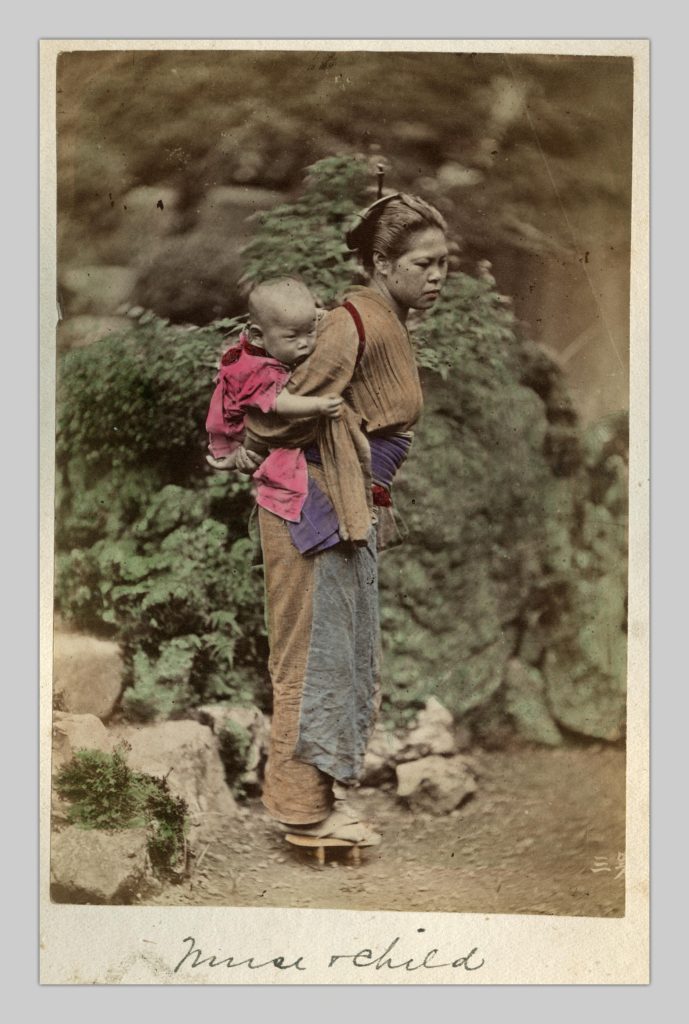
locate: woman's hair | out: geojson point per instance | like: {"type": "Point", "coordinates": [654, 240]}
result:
{"type": "Point", "coordinates": [388, 224]}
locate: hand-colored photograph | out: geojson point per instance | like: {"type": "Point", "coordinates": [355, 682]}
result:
{"type": "Point", "coordinates": [341, 480]}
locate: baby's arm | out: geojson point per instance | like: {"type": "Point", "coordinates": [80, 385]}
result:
{"type": "Point", "coordinates": [299, 406]}
{"type": "Point", "coordinates": [242, 459]}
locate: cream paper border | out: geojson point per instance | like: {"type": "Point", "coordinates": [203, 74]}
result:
{"type": "Point", "coordinates": [143, 945]}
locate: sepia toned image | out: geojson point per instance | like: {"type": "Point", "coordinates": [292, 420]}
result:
{"type": "Point", "coordinates": [341, 480]}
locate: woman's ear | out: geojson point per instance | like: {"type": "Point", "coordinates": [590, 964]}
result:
{"type": "Point", "coordinates": [381, 264]}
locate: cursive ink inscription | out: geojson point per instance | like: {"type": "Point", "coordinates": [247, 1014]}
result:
{"type": "Point", "coordinates": [392, 958]}
{"type": "Point", "coordinates": [198, 960]}
{"type": "Point", "coordinates": [367, 958]}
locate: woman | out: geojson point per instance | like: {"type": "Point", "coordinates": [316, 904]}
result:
{"type": "Point", "coordinates": [321, 579]}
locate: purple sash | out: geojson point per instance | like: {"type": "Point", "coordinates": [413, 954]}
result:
{"type": "Point", "coordinates": [318, 528]}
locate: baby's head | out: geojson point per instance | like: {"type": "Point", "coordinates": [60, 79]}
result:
{"type": "Point", "coordinates": [283, 318]}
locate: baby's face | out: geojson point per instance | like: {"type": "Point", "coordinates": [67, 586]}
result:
{"type": "Point", "coordinates": [289, 333]}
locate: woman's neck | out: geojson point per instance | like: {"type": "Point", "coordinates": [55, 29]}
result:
{"type": "Point", "coordinates": [378, 284]}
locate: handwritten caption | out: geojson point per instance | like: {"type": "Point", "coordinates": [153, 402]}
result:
{"type": "Point", "coordinates": [393, 958]}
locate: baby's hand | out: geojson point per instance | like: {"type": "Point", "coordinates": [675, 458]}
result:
{"type": "Point", "coordinates": [247, 461]}
{"type": "Point", "coordinates": [224, 462]}
{"type": "Point", "coordinates": [331, 406]}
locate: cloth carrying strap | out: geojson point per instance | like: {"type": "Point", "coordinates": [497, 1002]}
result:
{"type": "Point", "coordinates": [359, 324]}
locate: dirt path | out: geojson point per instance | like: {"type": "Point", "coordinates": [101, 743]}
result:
{"type": "Point", "coordinates": [527, 842]}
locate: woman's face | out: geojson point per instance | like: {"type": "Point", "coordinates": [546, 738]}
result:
{"type": "Point", "coordinates": [415, 279]}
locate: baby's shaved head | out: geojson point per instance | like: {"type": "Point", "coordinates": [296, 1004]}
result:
{"type": "Point", "coordinates": [278, 298]}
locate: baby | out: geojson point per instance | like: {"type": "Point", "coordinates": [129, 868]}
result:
{"type": "Point", "coordinates": [253, 374]}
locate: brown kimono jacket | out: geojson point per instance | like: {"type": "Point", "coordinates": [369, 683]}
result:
{"type": "Point", "coordinates": [383, 396]}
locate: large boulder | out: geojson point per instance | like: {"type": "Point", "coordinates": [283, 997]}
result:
{"type": "Point", "coordinates": [525, 703]}
{"type": "Point", "coordinates": [90, 866]}
{"type": "Point", "coordinates": [186, 754]}
{"type": "Point", "coordinates": [77, 732]}
{"type": "Point", "coordinates": [435, 784]}
{"type": "Point", "coordinates": [87, 674]}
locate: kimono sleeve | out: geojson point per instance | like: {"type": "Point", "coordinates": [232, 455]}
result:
{"type": "Point", "coordinates": [261, 388]}
{"type": "Point", "coordinates": [224, 433]}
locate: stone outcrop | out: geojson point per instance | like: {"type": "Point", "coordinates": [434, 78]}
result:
{"type": "Point", "coordinates": [77, 732]}
{"type": "Point", "coordinates": [91, 866]}
{"type": "Point", "coordinates": [525, 702]}
{"type": "Point", "coordinates": [87, 674]}
{"type": "Point", "coordinates": [435, 784]}
{"type": "Point", "coordinates": [186, 754]}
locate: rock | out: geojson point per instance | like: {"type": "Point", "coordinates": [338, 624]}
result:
{"type": "Point", "coordinates": [141, 218]}
{"type": "Point", "coordinates": [256, 725]}
{"type": "Point", "coordinates": [91, 866]}
{"type": "Point", "coordinates": [84, 330]}
{"type": "Point", "coordinates": [435, 784]}
{"type": "Point", "coordinates": [98, 290]}
{"type": "Point", "coordinates": [186, 754]}
{"type": "Point", "coordinates": [585, 672]}
{"type": "Point", "coordinates": [87, 674]}
{"type": "Point", "coordinates": [77, 732]}
{"type": "Point", "coordinates": [228, 207]}
{"type": "Point", "coordinates": [381, 756]}
{"type": "Point", "coordinates": [151, 208]}
{"type": "Point", "coordinates": [433, 733]}
{"type": "Point", "coordinates": [525, 702]}
{"type": "Point", "coordinates": [72, 733]}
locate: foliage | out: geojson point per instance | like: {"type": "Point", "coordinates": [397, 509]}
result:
{"type": "Point", "coordinates": [152, 545]}
{"type": "Point", "coordinates": [470, 324]}
{"type": "Point", "coordinates": [306, 237]}
{"type": "Point", "coordinates": [138, 397]}
{"type": "Point", "coordinates": [258, 118]}
{"type": "Point", "coordinates": [105, 793]}
{"type": "Point", "coordinates": [191, 279]}
{"type": "Point", "coordinates": [234, 742]}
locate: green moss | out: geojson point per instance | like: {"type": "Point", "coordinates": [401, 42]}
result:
{"type": "Point", "coordinates": [105, 793]}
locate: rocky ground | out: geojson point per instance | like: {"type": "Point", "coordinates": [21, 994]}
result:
{"type": "Point", "coordinates": [543, 834]}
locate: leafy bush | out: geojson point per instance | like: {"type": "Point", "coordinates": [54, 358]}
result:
{"type": "Point", "coordinates": [105, 793]}
{"type": "Point", "coordinates": [306, 237]}
{"type": "Point", "coordinates": [191, 278]}
{"type": "Point", "coordinates": [234, 742]}
{"type": "Point", "coordinates": [138, 398]}
{"type": "Point", "coordinates": [152, 545]}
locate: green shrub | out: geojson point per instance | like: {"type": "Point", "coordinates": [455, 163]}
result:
{"type": "Point", "coordinates": [191, 278]}
{"type": "Point", "coordinates": [306, 237]}
{"type": "Point", "coordinates": [138, 398]}
{"type": "Point", "coordinates": [234, 742]}
{"type": "Point", "coordinates": [105, 793]}
{"type": "Point", "coordinates": [152, 545]}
